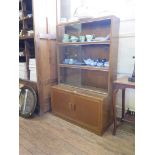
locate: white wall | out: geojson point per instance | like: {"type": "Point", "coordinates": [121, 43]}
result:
{"type": "Point", "coordinates": [124, 9]}
{"type": "Point", "coordinates": [125, 62]}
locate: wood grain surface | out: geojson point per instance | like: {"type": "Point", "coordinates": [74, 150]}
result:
{"type": "Point", "coordinates": [50, 135]}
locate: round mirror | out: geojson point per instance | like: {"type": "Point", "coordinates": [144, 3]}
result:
{"type": "Point", "coordinates": [27, 101]}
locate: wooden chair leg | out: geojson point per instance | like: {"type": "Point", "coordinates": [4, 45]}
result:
{"type": "Point", "coordinates": [123, 102]}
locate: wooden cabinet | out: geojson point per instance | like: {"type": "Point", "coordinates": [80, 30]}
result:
{"type": "Point", "coordinates": [65, 108]}
{"type": "Point", "coordinates": [88, 110]}
{"type": "Point", "coordinates": [87, 65]}
{"type": "Point", "coordinates": [84, 109]}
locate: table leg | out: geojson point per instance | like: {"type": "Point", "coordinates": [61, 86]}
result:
{"type": "Point", "coordinates": [123, 102]}
{"type": "Point", "coordinates": [114, 110]}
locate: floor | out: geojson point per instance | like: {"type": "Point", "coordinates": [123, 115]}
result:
{"type": "Point", "coordinates": [51, 135]}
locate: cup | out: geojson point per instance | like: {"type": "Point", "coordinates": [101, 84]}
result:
{"type": "Point", "coordinates": [71, 61]}
{"type": "Point", "coordinates": [66, 61]}
{"type": "Point", "coordinates": [89, 37]}
{"type": "Point", "coordinates": [81, 38]}
{"type": "Point", "coordinates": [73, 39]}
{"type": "Point", "coordinates": [66, 38]}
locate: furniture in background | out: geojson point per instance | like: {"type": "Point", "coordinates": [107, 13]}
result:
{"type": "Point", "coordinates": [122, 84]}
{"type": "Point", "coordinates": [37, 49]}
{"type": "Point", "coordinates": [87, 65]}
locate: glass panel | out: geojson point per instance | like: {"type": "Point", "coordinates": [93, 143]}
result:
{"type": "Point", "coordinates": [83, 66]}
{"type": "Point", "coordinates": [86, 55]}
{"type": "Point", "coordinates": [84, 49]}
{"type": "Point", "coordinates": [70, 76]}
{"type": "Point", "coordinates": [85, 31]}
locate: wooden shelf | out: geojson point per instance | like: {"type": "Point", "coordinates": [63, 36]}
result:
{"type": "Point", "coordinates": [103, 69]}
{"type": "Point", "coordinates": [91, 91]}
{"type": "Point", "coordinates": [84, 43]}
{"type": "Point", "coordinates": [25, 18]}
{"type": "Point", "coordinates": [26, 37]}
{"type": "Point", "coordinates": [85, 21]}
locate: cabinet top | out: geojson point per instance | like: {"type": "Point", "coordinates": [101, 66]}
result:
{"type": "Point", "coordinates": [80, 21]}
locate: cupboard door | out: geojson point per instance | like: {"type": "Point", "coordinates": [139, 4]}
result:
{"type": "Point", "coordinates": [62, 103]}
{"type": "Point", "coordinates": [88, 111]}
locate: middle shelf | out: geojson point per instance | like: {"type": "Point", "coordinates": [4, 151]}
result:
{"type": "Point", "coordinates": [104, 69]}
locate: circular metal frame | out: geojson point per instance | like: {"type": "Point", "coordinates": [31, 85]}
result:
{"type": "Point", "coordinates": [27, 101]}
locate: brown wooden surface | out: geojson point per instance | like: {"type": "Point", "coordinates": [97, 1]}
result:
{"type": "Point", "coordinates": [121, 83]}
{"type": "Point", "coordinates": [87, 21]}
{"type": "Point", "coordinates": [113, 55]}
{"type": "Point", "coordinates": [50, 135]}
{"type": "Point", "coordinates": [124, 82]}
{"type": "Point", "coordinates": [45, 51]}
{"type": "Point", "coordinates": [81, 108]}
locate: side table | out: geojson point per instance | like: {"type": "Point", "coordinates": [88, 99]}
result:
{"type": "Point", "coordinates": [122, 84]}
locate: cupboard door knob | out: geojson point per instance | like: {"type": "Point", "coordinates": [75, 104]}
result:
{"type": "Point", "coordinates": [74, 107]}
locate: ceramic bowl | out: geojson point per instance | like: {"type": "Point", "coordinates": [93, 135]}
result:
{"type": "Point", "coordinates": [81, 38]}
{"type": "Point", "coordinates": [73, 39]}
{"type": "Point", "coordinates": [89, 37]}
{"type": "Point", "coordinates": [66, 61]}
{"type": "Point", "coordinates": [99, 64]}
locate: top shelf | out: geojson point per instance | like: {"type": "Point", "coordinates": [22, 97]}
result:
{"type": "Point", "coordinates": [86, 20]}
{"type": "Point", "coordinates": [84, 43]}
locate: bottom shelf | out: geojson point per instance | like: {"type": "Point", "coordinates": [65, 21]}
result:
{"type": "Point", "coordinates": [90, 91]}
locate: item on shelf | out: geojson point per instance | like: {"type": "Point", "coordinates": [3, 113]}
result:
{"type": "Point", "coordinates": [21, 53]}
{"type": "Point", "coordinates": [22, 70]}
{"type": "Point", "coordinates": [107, 37]}
{"type": "Point", "coordinates": [79, 63]}
{"type": "Point", "coordinates": [102, 38]}
{"type": "Point", "coordinates": [82, 38]}
{"type": "Point", "coordinates": [71, 61]}
{"type": "Point", "coordinates": [20, 14]}
{"type": "Point", "coordinates": [89, 37]}
{"type": "Point", "coordinates": [66, 61]}
{"type": "Point", "coordinates": [66, 38]}
{"type": "Point", "coordinates": [106, 64]}
{"type": "Point", "coordinates": [23, 33]}
{"type": "Point", "coordinates": [30, 33]}
{"type": "Point", "coordinates": [99, 64]}
{"type": "Point", "coordinates": [29, 15]}
{"type": "Point", "coordinates": [93, 63]}
{"type": "Point", "coordinates": [73, 39]}
{"type": "Point", "coordinates": [32, 68]}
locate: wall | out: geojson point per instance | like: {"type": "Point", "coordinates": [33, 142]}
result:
{"type": "Point", "coordinates": [125, 61]}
